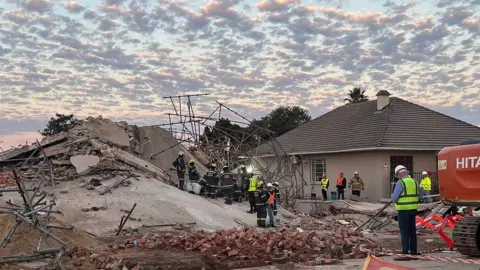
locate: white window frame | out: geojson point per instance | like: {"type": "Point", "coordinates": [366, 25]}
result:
{"type": "Point", "coordinates": [317, 174]}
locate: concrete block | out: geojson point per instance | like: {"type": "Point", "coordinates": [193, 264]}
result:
{"type": "Point", "coordinates": [82, 163]}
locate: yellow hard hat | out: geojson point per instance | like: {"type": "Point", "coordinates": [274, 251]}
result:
{"type": "Point", "coordinates": [191, 161]}
{"type": "Point", "coordinates": [242, 166]}
{"type": "Point", "coordinates": [259, 183]}
{"type": "Point", "coordinates": [214, 165]}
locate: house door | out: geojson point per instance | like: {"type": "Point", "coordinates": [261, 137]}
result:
{"type": "Point", "coordinates": [406, 161]}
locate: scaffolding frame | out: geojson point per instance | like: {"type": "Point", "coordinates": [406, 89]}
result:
{"type": "Point", "coordinates": [36, 211]}
{"type": "Point", "coordinates": [226, 150]}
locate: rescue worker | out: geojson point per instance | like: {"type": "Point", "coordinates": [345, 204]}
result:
{"type": "Point", "coordinates": [356, 184]}
{"type": "Point", "coordinates": [325, 185]}
{"type": "Point", "coordinates": [180, 166]}
{"type": "Point", "coordinates": [276, 189]}
{"type": "Point", "coordinates": [260, 204]}
{"type": "Point", "coordinates": [193, 174]}
{"type": "Point", "coordinates": [252, 187]}
{"type": "Point", "coordinates": [243, 183]}
{"type": "Point", "coordinates": [211, 180]}
{"type": "Point", "coordinates": [226, 180]}
{"type": "Point", "coordinates": [270, 205]}
{"type": "Point", "coordinates": [426, 187]}
{"type": "Point", "coordinates": [341, 185]}
{"type": "Point", "coordinates": [405, 195]}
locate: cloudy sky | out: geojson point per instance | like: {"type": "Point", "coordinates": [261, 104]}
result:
{"type": "Point", "coordinates": [118, 58]}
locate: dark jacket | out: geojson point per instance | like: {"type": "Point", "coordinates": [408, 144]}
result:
{"type": "Point", "coordinates": [343, 185]}
{"type": "Point", "coordinates": [193, 173]}
{"type": "Point", "coordinates": [179, 164]}
{"type": "Point", "coordinates": [211, 178]}
{"type": "Point", "coordinates": [226, 180]}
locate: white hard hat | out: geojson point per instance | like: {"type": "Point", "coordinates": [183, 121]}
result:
{"type": "Point", "coordinates": [424, 173]}
{"type": "Point", "coordinates": [355, 173]}
{"type": "Point", "coordinates": [399, 168]}
{"type": "Point", "coordinates": [275, 183]}
{"type": "Point", "coordinates": [180, 153]}
{"type": "Point", "coordinates": [269, 185]}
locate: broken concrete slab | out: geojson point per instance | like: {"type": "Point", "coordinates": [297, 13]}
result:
{"type": "Point", "coordinates": [83, 163]}
{"type": "Point", "coordinates": [138, 163]}
{"type": "Point", "coordinates": [108, 131]}
{"type": "Point", "coordinates": [24, 150]}
{"type": "Point", "coordinates": [56, 149]}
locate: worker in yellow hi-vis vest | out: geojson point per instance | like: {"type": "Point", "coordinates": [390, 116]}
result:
{"type": "Point", "coordinates": [325, 184]}
{"type": "Point", "coordinates": [426, 187]}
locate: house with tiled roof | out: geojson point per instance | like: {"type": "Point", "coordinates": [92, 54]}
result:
{"type": "Point", "coordinates": [370, 137]}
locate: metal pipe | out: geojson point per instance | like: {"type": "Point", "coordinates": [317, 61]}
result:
{"type": "Point", "coordinates": [14, 190]}
{"type": "Point", "coordinates": [125, 220]}
{"type": "Point", "coordinates": [39, 209]}
{"type": "Point", "coordinates": [49, 234]}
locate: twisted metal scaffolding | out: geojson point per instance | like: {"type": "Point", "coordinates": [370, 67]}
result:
{"type": "Point", "coordinates": [34, 210]}
{"type": "Point", "coordinates": [218, 143]}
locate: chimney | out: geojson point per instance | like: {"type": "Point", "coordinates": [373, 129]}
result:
{"type": "Point", "coordinates": [383, 99]}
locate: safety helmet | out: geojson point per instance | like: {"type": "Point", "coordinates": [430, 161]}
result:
{"type": "Point", "coordinates": [214, 165]}
{"type": "Point", "coordinates": [275, 183]}
{"type": "Point", "coordinates": [191, 161]}
{"type": "Point", "coordinates": [180, 153]}
{"type": "Point", "coordinates": [424, 173]}
{"type": "Point", "coordinates": [355, 173]}
{"type": "Point", "coordinates": [242, 166]}
{"type": "Point", "coordinates": [259, 183]}
{"type": "Point", "coordinates": [399, 168]}
{"type": "Point", "coordinates": [225, 167]}
{"type": "Point", "coordinates": [269, 185]}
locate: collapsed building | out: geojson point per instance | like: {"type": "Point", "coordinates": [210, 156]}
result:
{"type": "Point", "coordinates": [110, 178]}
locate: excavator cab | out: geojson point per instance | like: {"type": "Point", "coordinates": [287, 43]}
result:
{"type": "Point", "coordinates": [459, 184]}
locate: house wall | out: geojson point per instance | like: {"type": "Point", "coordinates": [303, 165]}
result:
{"type": "Point", "coordinates": [373, 167]}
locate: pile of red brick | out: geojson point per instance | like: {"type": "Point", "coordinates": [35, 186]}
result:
{"type": "Point", "coordinates": [323, 245]}
{"type": "Point", "coordinates": [6, 179]}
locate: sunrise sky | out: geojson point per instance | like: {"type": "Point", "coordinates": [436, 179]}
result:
{"type": "Point", "coordinates": [118, 58]}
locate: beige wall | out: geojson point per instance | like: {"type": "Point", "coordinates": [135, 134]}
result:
{"type": "Point", "coordinates": [370, 166]}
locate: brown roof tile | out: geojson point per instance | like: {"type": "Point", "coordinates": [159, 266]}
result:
{"type": "Point", "coordinates": [401, 125]}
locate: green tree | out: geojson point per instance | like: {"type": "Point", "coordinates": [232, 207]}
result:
{"type": "Point", "coordinates": [284, 119]}
{"type": "Point", "coordinates": [59, 123]}
{"type": "Point", "coordinates": [356, 95]}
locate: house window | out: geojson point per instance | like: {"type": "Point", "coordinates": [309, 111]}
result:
{"type": "Point", "coordinates": [319, 167]}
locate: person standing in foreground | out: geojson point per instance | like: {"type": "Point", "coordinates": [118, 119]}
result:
{"type": "Point", "coordinates": [270, 205]}
{"type": "Point", "coordinates": [260, 204]}
{"type": "Point", "coordinates": [405, 196]}
{"type": "Point", "coordinates": [341, 185]}
{"type": "Point", "coordinates": [356, 184]}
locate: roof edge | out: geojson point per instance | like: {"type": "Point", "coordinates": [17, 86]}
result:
{"type": "Point", "coordinates": [357, 150]}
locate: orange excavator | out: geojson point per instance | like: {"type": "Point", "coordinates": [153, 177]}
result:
{"type": "Point", "coordinates": [459, 182]}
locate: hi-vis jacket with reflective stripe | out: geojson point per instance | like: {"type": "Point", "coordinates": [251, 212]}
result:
{"type": "Point", "coordinates": [426, 184]}
{"type": "Point", "coordinates": [253, 184]}
{"type": "Point", "coordinates": [408, 199]}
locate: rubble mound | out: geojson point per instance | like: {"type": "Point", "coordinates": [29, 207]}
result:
{"type": "Point", "coordinates": [313, 241]}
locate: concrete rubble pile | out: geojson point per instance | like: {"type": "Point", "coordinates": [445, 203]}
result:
{"type": "Point", "coordinates": [95, 146]}
{"type": "Point", "coordinates": [312, 241]}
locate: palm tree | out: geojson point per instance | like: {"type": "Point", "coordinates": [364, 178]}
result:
{"type": "Point", "coordinates": [356, 95]}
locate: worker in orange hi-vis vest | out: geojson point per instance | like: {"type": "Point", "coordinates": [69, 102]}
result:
{"type": "Point", "coordinates": [341, 185]}
{"type": "Point", "coordinates": [270, 205]}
